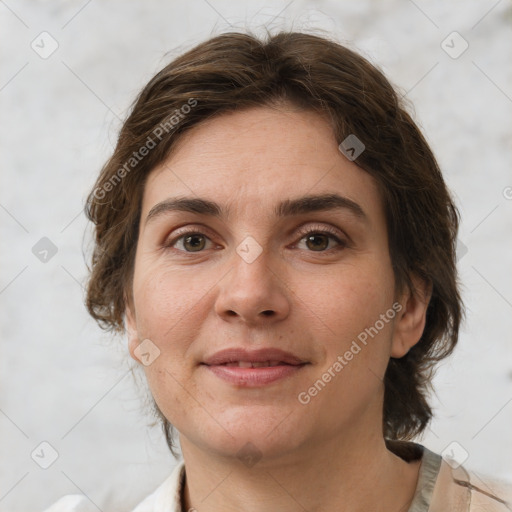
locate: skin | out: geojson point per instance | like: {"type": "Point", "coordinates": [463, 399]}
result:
{"type": "Point", "coordinates": [329, 454]}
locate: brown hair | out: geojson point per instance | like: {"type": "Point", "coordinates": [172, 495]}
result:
{"type": "Point", "coordinates": [234, 71]}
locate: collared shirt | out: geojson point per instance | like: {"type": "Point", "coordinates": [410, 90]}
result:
{"type": "Point", "coordinates": [443, 486]}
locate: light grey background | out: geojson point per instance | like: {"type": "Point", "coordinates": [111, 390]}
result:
{"type": "Point", "coordinates": [67, 383]}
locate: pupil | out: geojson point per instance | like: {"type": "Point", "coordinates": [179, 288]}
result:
{"type": "Point", "coordinates": [199, 241]}
{"type": "Point", "coordinates": [321, 244]}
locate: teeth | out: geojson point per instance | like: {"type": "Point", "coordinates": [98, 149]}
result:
{"type": "Point", "coordinates": [241, 364]}
{"type": "Point", "coordinates": [265, 363]}
{"type": "Point", "coordinates": [248, 364]}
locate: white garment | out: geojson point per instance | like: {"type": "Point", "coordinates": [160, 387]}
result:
{"type": "Point", "coordinates": [440, 489]}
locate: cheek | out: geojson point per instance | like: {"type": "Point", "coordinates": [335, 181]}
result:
{"type": "Point", "coordinates": [167, 306]}
{"type": "Point", "coordinates": [166, 302]}
{"type": "Point", "coordinates": [355, 337]}
{"type": "Point", "coordinates": [349, 301]}
{"type": "Point", "coordinates": [356, 345]}
{"type": "Point", "coordinates": [171, 397]}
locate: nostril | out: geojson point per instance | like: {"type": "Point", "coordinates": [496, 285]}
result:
{"type": "Point", "coordinates": [268, 312]}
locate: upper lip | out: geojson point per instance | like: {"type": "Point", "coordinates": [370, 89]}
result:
{"type": "Point", "coordinates": [233, 355]}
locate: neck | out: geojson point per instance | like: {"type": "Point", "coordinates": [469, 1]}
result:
{"type": "Point", "coordinates": [345, 473]}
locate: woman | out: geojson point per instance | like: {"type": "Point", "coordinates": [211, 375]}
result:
{"type": "Point", "coordinates": [275, 237]}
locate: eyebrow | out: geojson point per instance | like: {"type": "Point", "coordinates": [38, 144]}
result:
{"type": "Point", "coordinates": [286, 208]}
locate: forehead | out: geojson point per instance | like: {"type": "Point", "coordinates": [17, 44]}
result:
{"type": "Point", "coordinates": [258, 157]}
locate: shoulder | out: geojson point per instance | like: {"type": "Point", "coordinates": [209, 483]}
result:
{"type": "Point", "coordinates": [72, 503]}
{"type": "Point", "coordinates": [166, 498]}
{"type": "Point", "coordinates": [459, 489]}
{"type": "Point", "coordinates": [489, 493]}
{"type": "Point", "coordinates": [444, 485]}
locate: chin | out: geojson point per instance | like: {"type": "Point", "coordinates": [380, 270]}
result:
{"type": "Point", "coordinates": [251, 433]}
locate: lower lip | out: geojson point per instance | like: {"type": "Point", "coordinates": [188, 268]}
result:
{"type": "Point", "coordinates": [254, 377]}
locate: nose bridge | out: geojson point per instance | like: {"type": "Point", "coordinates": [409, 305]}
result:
{"type": "Point", "coordinates": [252, 290]}
{"type": "Point", "coordinates": [251, 264]}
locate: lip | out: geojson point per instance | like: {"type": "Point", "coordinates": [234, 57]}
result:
{"type": "Point", "coordinates": [234, 354]}
{"type": "Point", "coordinates": [254, 377]}
{"type": "Point", "coordinates": [288, 366]}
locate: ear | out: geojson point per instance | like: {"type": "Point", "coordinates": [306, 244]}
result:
{"type": "Point", "coordinates": [410, 320]}
{"type": "Point", "coordinates": [131, 329]}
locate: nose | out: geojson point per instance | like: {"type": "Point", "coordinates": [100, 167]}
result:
{"type": "Point", "coordinates": [253, 292]}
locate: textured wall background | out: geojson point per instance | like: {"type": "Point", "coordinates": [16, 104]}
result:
{"type": "Point", "coordinates": [66, 383]}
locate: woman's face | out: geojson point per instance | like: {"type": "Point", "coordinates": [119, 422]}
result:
{"type": "Point", "coordinates": [250, 277]}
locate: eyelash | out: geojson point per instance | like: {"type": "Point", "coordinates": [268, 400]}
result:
{"type": "Point", "coordinates": [303, 233]}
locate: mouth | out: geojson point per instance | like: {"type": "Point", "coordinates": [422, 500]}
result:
{"type": "Point", "coordinates": [244, 374]}
{"type": "Point", "coordinates": [251, 369]}
{"type": "Point", "coordinates": [255, 364]}
{"type": "Point", "coordinates": [244, 358]}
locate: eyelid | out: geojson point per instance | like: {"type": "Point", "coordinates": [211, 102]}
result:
{"type": "Point", "coordinates": [192, 228]}
{"type": "Point", "coordinates": [188, 229]}
{"type": "Point", "coordinates": [302, 231]}
{"type": "Point", "coordinates": [321, 228]}
{"type": "Point", "coordinates": [341, 239]}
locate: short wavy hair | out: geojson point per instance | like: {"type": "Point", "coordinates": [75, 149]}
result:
{"type": "Point", "coordinates": [236, 71]}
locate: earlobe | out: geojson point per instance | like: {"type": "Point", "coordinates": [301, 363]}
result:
{"type": "Point", "coordinates": [410, 321]}
{"type": "Point", "coordinates": [131, 331]}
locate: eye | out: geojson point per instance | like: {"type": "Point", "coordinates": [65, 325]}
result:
{"type": "Point", "coordinates": [317, 240]}
{"type": "Point", "coordinates": [190, 241]}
